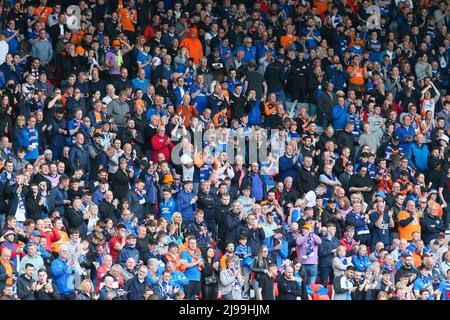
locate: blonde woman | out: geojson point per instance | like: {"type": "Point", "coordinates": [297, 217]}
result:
{"type": "Point", "coordinates": [86, 291]}
{"type": "Point", "coordinates": [177, 220]}
{"type": "Point", "coordinates": [92, 216]}
{"type": "Point", "coordinates": [357, 197]}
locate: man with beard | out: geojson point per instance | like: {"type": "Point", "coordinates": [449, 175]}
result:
{"type": "Point", "coordinates": [361, 182]}
{"type": "Point", "coordinates": [233, 223]}
{"type": "Point", "coordinates": [407, 269]}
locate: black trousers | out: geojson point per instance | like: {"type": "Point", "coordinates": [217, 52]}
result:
{"type": "Point", "coordinates": [192, 289]}
{"type": "Point", "coordinates": [209, 292]}
{"type": "Point", "coordinates": [325, 274]}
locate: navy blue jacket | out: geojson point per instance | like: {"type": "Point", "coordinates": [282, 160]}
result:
{"type": "Point", "coordinates": [431, 227]}
{"type": "Point", "coordinates": [325, 251]}
{"type": "Point", "coordinates": [184, 205]}
{"type": "Point", "coordinates": [136, 289]}
{"type": "Point", "coordinates": [79, 157]}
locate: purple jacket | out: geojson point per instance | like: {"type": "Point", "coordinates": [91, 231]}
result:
{"type": "Point", "coordinates": [302, 249]}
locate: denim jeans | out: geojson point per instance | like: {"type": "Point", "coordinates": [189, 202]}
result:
{"type": "Point", "coordinates": [311, 273]}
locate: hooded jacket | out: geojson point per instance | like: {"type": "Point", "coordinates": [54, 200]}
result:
{"type": "Point", "coordinates": [193, 45]}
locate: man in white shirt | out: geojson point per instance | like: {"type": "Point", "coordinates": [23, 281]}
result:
{"type": "Point", "coordinates": [4, 48]}
{"type": "Point", "coordinates": [311, 196]}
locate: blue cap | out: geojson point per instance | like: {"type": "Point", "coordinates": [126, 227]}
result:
{"type": "Point", "coordinates": [36, 233]}
{"type": "Point", "coordinates": [381, 193]}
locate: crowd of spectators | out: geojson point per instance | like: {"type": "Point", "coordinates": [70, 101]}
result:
{"type": "Point", "coordinates": [133, 138]}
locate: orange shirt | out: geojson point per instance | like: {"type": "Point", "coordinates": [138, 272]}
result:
{"type": "Point", "coordinates": [126, 17]}
{"type": "Point", "coordinates": [417, 259]}
{"type": "Point", "coordinates": [414, 226]}
{"type": "Point", "coordinates": [321, 6]}
{"type": "Point", "coordinates": [44, 12]}
{"type": "Point", "coordinates": [358, 77]}
{"type": "Point", "coordinates": [219, 119]}
{"type": "Point", "coordinates": [176, 260]}
{"type": "Point", "coordinates": [63, 240]}
{"type": "Point", "coordinates": [187, 112]}
{"type": "Point", "coordinates": [199, 161]}
{"type": "Point", "coordinates": [269, 108]}
{"type": "Point", "coordinates": [286, 40]}
{"type": "Point", "coordinates": [77, 37]}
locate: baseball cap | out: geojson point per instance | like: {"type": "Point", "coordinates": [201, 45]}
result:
{"type": "Point", "coordinates": [36, 233]}
{"type": "Point", "coordinates": [307, 226]}
{"type": "Point", "coordinates": [381, 193]}
{"type": "Point", "coordinates": [116, 43]}
{"type": "Point", "coordinates": [278, 230]}
{"type": "Point", "coordinates": [7, 233]}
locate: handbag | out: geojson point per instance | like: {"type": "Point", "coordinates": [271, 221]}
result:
{"type": "Point", "coordinates": [210, 280]}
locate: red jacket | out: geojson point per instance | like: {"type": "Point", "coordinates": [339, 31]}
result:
{"type": "Point", "coordinates": [51, 236]}
{"type": "Point", "coordinates": [159, 146]}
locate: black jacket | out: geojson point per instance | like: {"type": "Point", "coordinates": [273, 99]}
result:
{"type": "Point", "coordinates": [107, 210]}
{"type": "Point", "coordinates": [34, 209]}
{"type": "Point", "coordinates": [42, 295]}
{"type": "Point", "coordinates": [75, 220]}
{"type": "Point", "coordinates": [233, 226]}
{"type": "Point", "coordinates": [24, 291]}
{"type": "Point", "coordinates": [307, 180]}
{"type": "Point", "coordinates": [221, 212]}
{"type": "Point", "coordinates": [120, 184]}
{"type": "Point", "coordinates": [208, 203]}
{"type": "Point", "coordinates": [290, 289]}
{"type": "Point", "coordinates": [254, 238]}
{"type": "Point", "coordinates": [346, 139]}
{"type": "Point", "coordinates": [403, 270]}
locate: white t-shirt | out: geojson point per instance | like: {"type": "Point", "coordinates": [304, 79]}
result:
{"type": "Point", "coordinates": [188, 173]}
{"type": "Point", "coordinates": [428, 105]}
{"type": "Point", "coordinates": [4, 47]}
